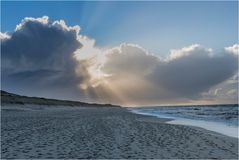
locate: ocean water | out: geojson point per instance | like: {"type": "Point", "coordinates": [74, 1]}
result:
{"type": "Point", "coordinates": [218, 118]}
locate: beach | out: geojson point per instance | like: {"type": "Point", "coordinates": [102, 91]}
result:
{"type": "Point", "coordinates": [47, 132]}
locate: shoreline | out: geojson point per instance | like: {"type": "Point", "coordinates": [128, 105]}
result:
{"type": "Point", "coordinates": [221, 128]}
{"type": "Point", "coordinates": [104, 133]}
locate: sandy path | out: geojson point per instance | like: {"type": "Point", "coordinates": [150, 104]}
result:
{"type": "Point", "coordinates": [104, 133]}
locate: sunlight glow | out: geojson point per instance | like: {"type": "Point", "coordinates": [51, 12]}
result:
{"type": "Point", "coordinates": [96, 59]}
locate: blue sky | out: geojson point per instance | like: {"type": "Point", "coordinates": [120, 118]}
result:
{"type": "Point", "coordinates": [156, 26]}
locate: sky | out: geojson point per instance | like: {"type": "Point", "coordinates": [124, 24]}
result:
{"type": "Point", "coordinates": [157, 26]}
{"type": "Point", "coordinates": [128, 53]}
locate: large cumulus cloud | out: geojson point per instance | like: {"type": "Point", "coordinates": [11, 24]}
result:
{"type": "Point", "coordinates": [194, 70]}
{"type": "Point", "coordinates": [37, 58]}
{"type": "Point", "coordinates": [38, 43]}
{"type": "Point", "coordinates": [141, 77]}
{"type": "Point", "coordinates": [51, 59]}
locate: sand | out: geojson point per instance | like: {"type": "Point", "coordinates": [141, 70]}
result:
{"type": "Point", "coordinates": [31, 131]}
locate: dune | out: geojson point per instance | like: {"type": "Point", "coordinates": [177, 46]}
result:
{"type": "Point", "coordinates": [10, 98]}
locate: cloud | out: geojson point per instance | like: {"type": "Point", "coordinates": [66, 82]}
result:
{"type": "Point", "coordinates": [45, 58]}
{"type": "Point", "coordinates": [140, 77]}
{"type": "Point", "coordinates": [197, 70]}
{"type": "Point", "coordinates": [233, 49]}
{"type": "Point", "coordinates": [38, 43]}
{"type": "Point", "coordinates": [225, 92]}
{"type": "Point", "coordinates": [38, 55]}
{"type": "Point", "coordinates": [4, 36]}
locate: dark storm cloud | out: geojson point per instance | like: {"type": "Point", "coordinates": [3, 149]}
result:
{"type": "Point", "coordinates": [38, 55]}
{"type": "Point", "coordinates": [33, 74]}
{"type": "Point", "coordinates": [39, 44]}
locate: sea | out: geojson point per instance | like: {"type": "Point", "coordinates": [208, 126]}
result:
{"type": "Point", "coordinates": [218, 118]}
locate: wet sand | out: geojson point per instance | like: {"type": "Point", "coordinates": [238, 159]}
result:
{"type": "Point", "coordinates": [31, 131]}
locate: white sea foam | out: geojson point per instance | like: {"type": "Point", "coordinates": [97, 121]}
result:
{"type": "Point", "coordinates": [221, 128]}
{"type": "Point", "coordinates": [231, 131]}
